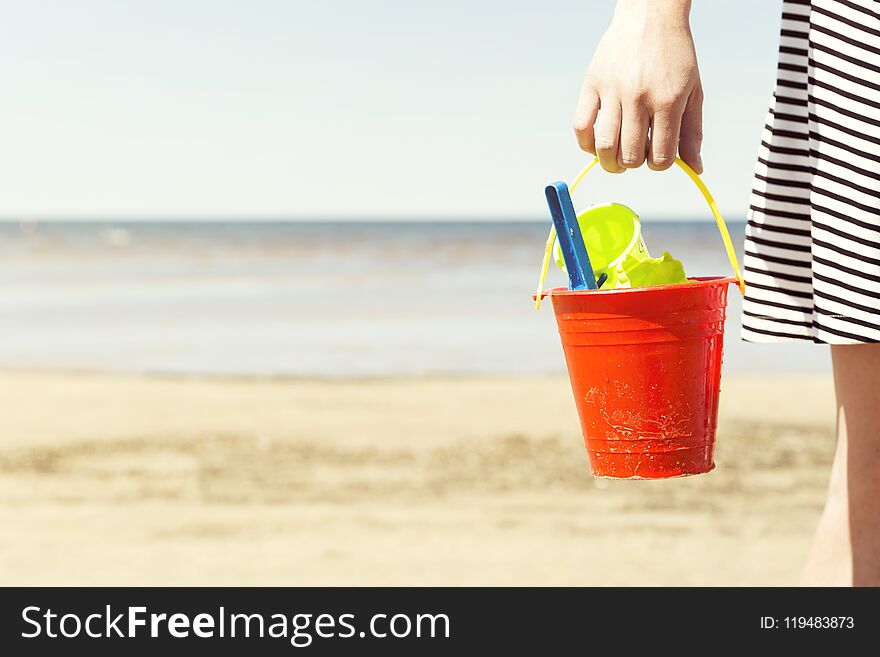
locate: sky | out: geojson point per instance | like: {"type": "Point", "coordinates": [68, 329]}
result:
{"type": "Point", "coordinates": [341, 109]}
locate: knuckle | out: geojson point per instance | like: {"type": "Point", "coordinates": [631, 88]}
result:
{"type": "Point", "coordinates": [581, 127]}
{"type": "Point", "coordinates": [667, 102]}
{"type": "Point", "coordinates": [640, 95]}
{"type": "Point", "coordinates": [631, 158]}
{"type": "Point", "coordinates": [605, 143]}
{"type": "Point", "coordinates": [664, 105]}
{"type": "Point", "coordinates": [661, 162]}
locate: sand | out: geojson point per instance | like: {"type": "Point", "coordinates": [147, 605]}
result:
{"type": "Point", "coordinates": [115, 480]}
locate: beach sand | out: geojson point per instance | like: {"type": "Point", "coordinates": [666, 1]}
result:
{"type": "Point", "coordinates": [125, 480]}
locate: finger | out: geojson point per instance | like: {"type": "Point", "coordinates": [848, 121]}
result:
{"type": "Point", "coordinates": [665, 127]}
{"type": "Point", "coordinates": [585, 118]}
{"type": "Point", "coordinates": [691, 139]}
{"type": "Point", "coordinates": [634, 136]}
{"type": "Point", "coordinates": [608, 136]}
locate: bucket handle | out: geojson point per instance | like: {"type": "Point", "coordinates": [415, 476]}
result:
{"type": "Point", "coordinates": [713, 206]}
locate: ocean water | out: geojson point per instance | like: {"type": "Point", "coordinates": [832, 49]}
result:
{"type": "Point", "coordinates": [310, 299]}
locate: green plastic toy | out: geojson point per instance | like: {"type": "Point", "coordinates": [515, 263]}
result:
{"type": "Point", "coordinates": [613, 236]}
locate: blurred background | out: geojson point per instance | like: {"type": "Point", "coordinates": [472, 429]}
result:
{"type": "Point", "coordinates": [265, 278]}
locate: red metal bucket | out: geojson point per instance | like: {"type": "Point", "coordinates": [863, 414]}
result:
{"type": "Point", "coordinates": [645, 369]}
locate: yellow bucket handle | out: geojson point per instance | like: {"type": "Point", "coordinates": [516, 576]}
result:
{"type": "Point", "coordinates": [719, 220]}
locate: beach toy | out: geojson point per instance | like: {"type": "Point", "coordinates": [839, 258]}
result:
{"type": "Point", "coordinates": [716, 213]}
{"type": "Point", "coordinates": [571, 243]}
{"type": "Point", "coordinates": [664, 270]}
{"type": "Point", "coordinates": [645, 368]}
{"type": "Point", "coordinates": [614, 233]}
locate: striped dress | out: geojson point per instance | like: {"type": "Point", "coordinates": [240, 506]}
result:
{"type": "Point", "coordinates": [812, 252]}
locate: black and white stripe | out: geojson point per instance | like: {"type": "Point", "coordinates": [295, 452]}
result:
{"type": "Point", "coordinates": [812, 255]}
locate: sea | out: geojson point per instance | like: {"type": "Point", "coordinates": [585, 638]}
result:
{"type": "Point", "coordinates": [312, 299]}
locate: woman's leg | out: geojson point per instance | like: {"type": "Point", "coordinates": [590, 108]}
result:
{"type": "Point", "coordinates": [846, 548]}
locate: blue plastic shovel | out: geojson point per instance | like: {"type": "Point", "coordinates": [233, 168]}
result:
{"type": "Point", "coordinates": [571, 242]}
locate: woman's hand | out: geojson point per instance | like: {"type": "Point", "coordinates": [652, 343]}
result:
{"type": "Point", "coordinates": [644, 86]}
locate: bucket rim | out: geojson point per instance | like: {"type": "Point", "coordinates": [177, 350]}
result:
{"type": "Point", "coordinates": [694, 281]}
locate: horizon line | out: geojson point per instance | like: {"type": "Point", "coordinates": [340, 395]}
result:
{"type": "Point", "coordinates": [320, 220]}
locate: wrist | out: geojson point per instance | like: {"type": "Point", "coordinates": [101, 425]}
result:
{"type": "Point", "coordinates": [663, 14]}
